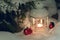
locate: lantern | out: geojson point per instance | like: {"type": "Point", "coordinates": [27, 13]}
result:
{"type": "Point", "coordinates": [39, 20]}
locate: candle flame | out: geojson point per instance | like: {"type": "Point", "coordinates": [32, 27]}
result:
{"type": "Point", "coordinates": [39, 25]}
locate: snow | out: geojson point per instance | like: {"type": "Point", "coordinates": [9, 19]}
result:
{"type": "Point", "coordinates": [39, 13]}
{"type": "Point", "coordinates": [36, 36]}
{"type": "Point", "coordinates": [56, 35]}
{"type": "Point", "coordinates": [8, 36]}
{"type": "Point", "coordinates": [49, 3]}
{"type": "Point", "coordinates": [39, 36]}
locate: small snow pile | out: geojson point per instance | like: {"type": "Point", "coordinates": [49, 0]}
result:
{"type": "Point", "coordinates": [8, 36]}
{"type": "Point", "coordinates": [56, 35]}
{"type": "Point", "coordinates": [39, 13]}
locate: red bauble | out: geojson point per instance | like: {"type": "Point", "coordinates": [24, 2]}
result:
{"type": "Point", "coordinates": [51, 25]}
{"type": "Point", "coordinates": [27, 31]}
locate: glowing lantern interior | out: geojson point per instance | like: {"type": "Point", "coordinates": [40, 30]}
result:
{"type": "Point", "coordinates": [39, 24]}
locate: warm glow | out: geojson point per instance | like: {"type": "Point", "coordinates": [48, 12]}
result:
{"type": "Point", "coordinates": [33, 21]}
{"type": "Point", "coordinates": [41, 20]}
{"type": "Point", "coordinates": [39, 25]}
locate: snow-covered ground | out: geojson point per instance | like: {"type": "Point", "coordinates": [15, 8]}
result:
{"type": "Point", "coordinates": [8, 36]}
{"type": "Point", "coordinates": [41, 35]}
{"type": "Point", "coordinates": [21, 36]}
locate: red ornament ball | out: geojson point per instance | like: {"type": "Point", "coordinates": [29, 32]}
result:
{"type": "Point", "coordinates": [27, 31]}
{"type": "Point", "coordinates": [51, 25]}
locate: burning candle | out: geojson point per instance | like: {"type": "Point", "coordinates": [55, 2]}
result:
{"type": "Point", "coordinates": [47, 21]}
{"type": "Point", "coordinates": [33, 21]}
{"type": "Point", "coordinates": [41, 21]}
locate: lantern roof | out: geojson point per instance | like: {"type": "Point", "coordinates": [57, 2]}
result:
{"type": "Point", "coordinates": [39, 13]}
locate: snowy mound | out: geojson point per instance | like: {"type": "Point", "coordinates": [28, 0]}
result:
{"type": "Point", "coordinates": [56, 35]}
{"type": "Point", "coordinates": [39, 4]}
{"type": "Point", "coordinates": [57, 29]}
{"type": "Point", "coordinates": [39, 13]}
{"type": "Point", "coordinates": [8, 36]}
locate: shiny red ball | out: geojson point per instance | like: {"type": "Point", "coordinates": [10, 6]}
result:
{"type": "Point", "coordinates": [27, 31]}
{"type": "Point", "coordinates": [51, 25]}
